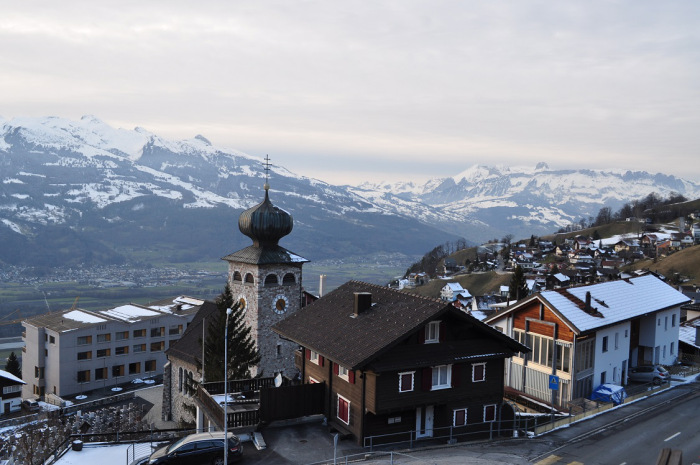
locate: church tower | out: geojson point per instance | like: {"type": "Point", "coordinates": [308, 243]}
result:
{"type": "Point", "coordinates": [265, 278]}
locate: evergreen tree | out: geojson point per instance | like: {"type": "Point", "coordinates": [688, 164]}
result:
{"type": "Point", "coordinates": [518, 285]}
{"type": "Point", "coordinates": [242, 353]}
{"type": "Point", "coordinates": [12, 366]}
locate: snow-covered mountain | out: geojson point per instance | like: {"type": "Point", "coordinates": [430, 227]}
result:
{"type": "Point", "coordinates": [527, 200]}
{"type": "Point", "coordinates": [83, 191]}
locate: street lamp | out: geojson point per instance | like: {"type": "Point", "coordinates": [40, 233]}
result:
{"type": "Point", "coordinates": [228, 314]}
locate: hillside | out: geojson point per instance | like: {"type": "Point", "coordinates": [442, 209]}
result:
{"type": "Point", "coordinates": [475, 283]}
{"type": "Point", "coordinates": [686, 262]}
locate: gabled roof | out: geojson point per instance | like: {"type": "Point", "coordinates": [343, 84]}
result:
{"type": "Point", "coordinates": [329, 326]}
{"type": "Point", "coordinates": [9, 376]}
{"type": "Point", "coordinates": [188, 347]}
{"type": "Point", "coordinates": [612, 302]}
{"type": "Point", "coordinates": [455, 287]}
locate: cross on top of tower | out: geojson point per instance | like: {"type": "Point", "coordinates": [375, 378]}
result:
{"type": "Point", "coordinates": [267, 166]}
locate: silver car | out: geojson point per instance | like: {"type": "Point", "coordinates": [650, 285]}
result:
{"type": "Point", "coordinates": [649, 374]}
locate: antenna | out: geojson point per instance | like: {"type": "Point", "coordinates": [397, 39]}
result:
{"type": "Point", "coordinates": [267, 166]}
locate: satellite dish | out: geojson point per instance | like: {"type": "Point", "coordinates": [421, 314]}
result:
{"type": "Point", "coordinates": [278, 380]}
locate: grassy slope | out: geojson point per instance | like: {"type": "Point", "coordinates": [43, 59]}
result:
{"type": "Point", "coordinates": [686, 262]}
{"type": "Point", "coordinates": [606, 230]}
{"type": "Point", "coordinates": [475, 283]}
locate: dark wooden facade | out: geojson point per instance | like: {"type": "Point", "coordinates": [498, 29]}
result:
{"type": "Point", "coordinates": [378, 407]}
{"type": "Point", "coordinates": [10, 393]}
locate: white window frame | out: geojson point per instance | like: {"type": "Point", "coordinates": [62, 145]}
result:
{"type": "Point", "coordinates": [343, 373]}
{"type": "Point", "coordinates": [495, 412]}
{"type": "Point", "coordinates": [313, 357]}
{"type": "Point", "coordinates": [474, 380]}
{"type": "Point", "coordinates": [448, 375]}
{"type": "Point", "coordinates": [313, 380]}
{"type": "Point", "coordinates": [337, 409]}
{"type": "Point", "coordinates": [413, 381]}
{"type": "Point", "coordinates": [432, 332]}
{"type": "Point", "coordinates": [454, 416]}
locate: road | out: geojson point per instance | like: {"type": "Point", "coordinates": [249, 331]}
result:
{"type": "Point", "coordinates": [637, 438]}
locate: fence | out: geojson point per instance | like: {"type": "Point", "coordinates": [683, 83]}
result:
{"type": "Point", "coordinates": [452, 434]}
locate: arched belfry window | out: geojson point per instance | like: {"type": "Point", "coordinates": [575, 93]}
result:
{"type": "Point", "coordinates": [249, 279]}
{"type": "Point", "coordinates": [237, 276]}
{"type": "Point", "coordinates": [271, 280]}
{"type": "Point", "coordinates": [289, 279]}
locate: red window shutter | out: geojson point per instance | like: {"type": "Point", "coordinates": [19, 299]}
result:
{"type": "Point", "coordinates": [307, 354]}
{"type": "Point", "coordinates": [455, 375]}
{"type": "Point", "coordinates": [321, 360]}
{"type": "Point", "coordinates": [335, 369]}
{"type": "Point", "coordinates": [421, 336]}
{"type": "Point", "coordinates": [351, 377]}
{"type": "Point", "coordinates": [427, 378]}
{"type": "Point", "coordinates": [443, 331]}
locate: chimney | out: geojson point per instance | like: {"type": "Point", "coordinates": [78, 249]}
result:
{"type": "Point", "coordinates": [587, 308]}
{"type": "Point", "coordinates": [363, 301]}
{"type": "Point", "coordinates": [321, 284]}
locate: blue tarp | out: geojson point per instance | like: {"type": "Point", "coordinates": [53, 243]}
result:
{"type": "Point", "coordinates": [609, 393]}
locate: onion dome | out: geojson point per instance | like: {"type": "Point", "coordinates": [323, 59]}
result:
{"type": "Point", "coordinates": [265, 223]}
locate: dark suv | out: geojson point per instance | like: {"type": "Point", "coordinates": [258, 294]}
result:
{"type": "Point", "coordinates": [201, 448]}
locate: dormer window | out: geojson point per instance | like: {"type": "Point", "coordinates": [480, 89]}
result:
{"type": "Point", "coordinates": [432, 332]}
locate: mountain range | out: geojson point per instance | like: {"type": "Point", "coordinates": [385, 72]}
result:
{"type": "Point", "coordinates": [75, 192]}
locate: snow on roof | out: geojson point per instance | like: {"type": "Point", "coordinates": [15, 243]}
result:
{"type": "Point", "coordinates": [455, 287]}
{"type": "Point", "coordinates": [617, 301]}
{"type": "Point", "coordinates": [129, 313]}
{"type": "Point", "coordinates": [102, 453]}
{"type": "Point", "coordinates": [688, 332]}
{"type": "Point", "coordinates": [188, 300]}
{"type": "Point", "coordinates": [561, 277]}
{"type": "Point", "coordinates": [83, 317]}
{"type": "Point", "coordinates": [10, 376]}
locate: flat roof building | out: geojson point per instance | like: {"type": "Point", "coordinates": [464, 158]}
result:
{"type": "Point", "coordinates": [75, 351]}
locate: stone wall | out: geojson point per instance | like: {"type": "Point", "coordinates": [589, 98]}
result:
{"type": "Point", "coordinates": [178, 398]}
{"type": "Point", "coordinates": [262, 312]}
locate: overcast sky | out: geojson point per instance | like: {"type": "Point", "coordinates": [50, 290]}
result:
{"type": "Point", "coordinates": [374, 90]}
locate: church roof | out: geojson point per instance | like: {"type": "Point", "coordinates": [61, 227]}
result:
{"type": "Point", "coordinates": [264, 223]}
{"type": "Point", "coordinates": [264, 256]}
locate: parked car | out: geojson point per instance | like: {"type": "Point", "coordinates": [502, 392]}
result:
{"type": "Point", "coordinates": [649, 374]}
{"type": "Point", "coordinates": [200, 448]}
{"type": "Point", "coordinates": [31, 405]}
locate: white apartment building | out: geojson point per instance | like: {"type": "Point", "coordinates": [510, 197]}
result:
{"type": "Point", "coordinates": [75, 351]}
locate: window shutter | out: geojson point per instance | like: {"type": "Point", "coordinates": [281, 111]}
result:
{"type": "Point", "coordinates": [443, 331]}
{"type": "Point", "coordinates": [321, 360]}
{"type": "Point", "coordinates": [427, 378]}
{"type": "Point", "coordinates": [351, 377]}
{"type": "Point", "coordinates": [421, 336]}
{"type": "Point", "coordinates": [307, 354]}
{"type": "Point", "coordinates": [335, 369]}
{"type": "Point", "coordinates": [455, 375]}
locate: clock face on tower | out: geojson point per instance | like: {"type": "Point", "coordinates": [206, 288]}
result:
{"type": "Point", "coordinates": [280, 303]}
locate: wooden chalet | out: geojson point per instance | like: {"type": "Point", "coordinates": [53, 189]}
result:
{"type": "Point", "coordinates": [397, 363]}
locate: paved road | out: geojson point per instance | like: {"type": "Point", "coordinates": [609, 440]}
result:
{"type": "Point", "coordinates": [636, 438]}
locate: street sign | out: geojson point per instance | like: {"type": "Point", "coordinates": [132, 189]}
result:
{"type": "Point", "coordinates": [553, 382]}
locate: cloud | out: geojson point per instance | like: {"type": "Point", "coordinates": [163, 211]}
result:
{"type": "Point", "coordinates": [385, 83]}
